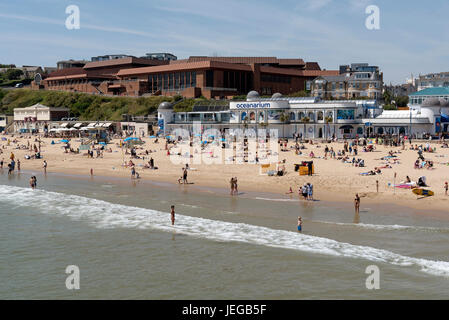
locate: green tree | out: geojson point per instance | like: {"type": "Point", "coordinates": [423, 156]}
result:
{"type": "Point", "coordinates": [303, 93]}
{"type": "Point", "coordinates": [13, 74]}
{"type": "Point", "coordinates": [284, 118]}
{"type": "Point", "coordinates": [401, 101]}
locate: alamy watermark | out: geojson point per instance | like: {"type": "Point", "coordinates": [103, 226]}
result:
{"type": "Point", "coordinates": [372, 22]}
{"type": "Point", "coordinates": [234, 146]}
{"type": "Point", "coordinates": [373, 280]}
{"type": "Point", "coordinates": [72, 282]}
{"type": "Point", "coordinates": [73, 20]}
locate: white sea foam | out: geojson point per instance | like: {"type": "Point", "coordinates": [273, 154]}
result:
{"type": "Point", "coordinates": [278, 200]}
{"type": "Point", "coordinates": [394, 227]}
{"type": "Point", "coordinates": [102, 214]}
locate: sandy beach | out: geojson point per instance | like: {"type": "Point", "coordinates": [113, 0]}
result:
{"type": "Point", "coordinates": [333, 180]}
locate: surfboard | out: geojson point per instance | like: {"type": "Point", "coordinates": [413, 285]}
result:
{"type": "Point", "coordinates": [423, 192]}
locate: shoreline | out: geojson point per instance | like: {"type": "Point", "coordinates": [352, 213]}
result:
{"type": "Point", "coordinates": [254, 193]}
{"type": "Point", "coordinates": [333, 181]}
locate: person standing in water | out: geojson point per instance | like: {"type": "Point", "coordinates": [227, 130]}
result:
{"type": "Point", "coordinates": [45, 166]}
{"type": "Point", "coordinates": [357, 203]}
{"type": "Point", "coordinates": [172, 213]}
{"type": "Point", "coordinates": [299, 224]}
{"type": "Point", "coordinates": [33, 182]}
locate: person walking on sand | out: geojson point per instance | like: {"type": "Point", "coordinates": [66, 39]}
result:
{"type": "Point", "coordinates": [357, 203]}
{"type": "Point", "coordinates": [18, 165]}
{"type": "Point", "coordinates": [299, 224]}
{"type": "Point", "coordinates": [232, 185]}
{"type": "Point", "coordinates": [133, 172]}
{"type": "Point", "coordinates": [446, 187]}
{"type": "Point", "coordinates": [172, 213]}
{"type": "Point", "coordinates": [236, 190]}
{"type": "Point", "coordinates": [45, 166]}
{"type": "Point", "coordinates": [184, 176]}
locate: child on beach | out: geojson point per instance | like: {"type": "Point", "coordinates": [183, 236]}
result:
{"type": "Point", "coordinates": [299, 224]}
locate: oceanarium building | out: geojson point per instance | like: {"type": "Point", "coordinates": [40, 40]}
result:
{"type": "Point", "coordinates": [309, 117]}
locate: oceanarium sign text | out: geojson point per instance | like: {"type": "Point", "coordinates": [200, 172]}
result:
{"type": "Point", "coordinates": [259, 105]}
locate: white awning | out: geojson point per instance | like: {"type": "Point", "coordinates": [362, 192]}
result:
{"type": "Point", "coordinates": [106, 125]}
{"type": "Point", "coordinates": [73, 129]}
{"type": "Point", "coordinates": [91, 125]}
{"type": "Point", "coordinates": [77, 125]}
{"type": "Point", "coordinates": [63, 125]}
{"type": "Point", "coordinates": [53, 130]}
{"type": "Point", "coordinates": [85, 128]}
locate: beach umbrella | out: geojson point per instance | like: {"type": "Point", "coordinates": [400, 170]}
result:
{"type": "Point", "coordinates": [222, 139]}
{"type": "Point", "coordinates": [168, 137]}
{"type": "Point", "coordinates": [197, 135]}
{"type": "Point", "coordinates": [102, 143]}
{"type": "Point", "coordinates": [130, 138]}
{"type": "Point", "coordinates": [65, 141]}
{"type": "Point", "coordinates": [152, 136]}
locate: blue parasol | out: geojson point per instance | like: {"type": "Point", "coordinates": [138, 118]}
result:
{"type": "Point", "coordinates": [130, 138]}
{"type": "Point", "coordinates": [65, 141]}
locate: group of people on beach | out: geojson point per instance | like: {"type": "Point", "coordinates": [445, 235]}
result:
{"type": "Point", "coordinates": [306, 191]}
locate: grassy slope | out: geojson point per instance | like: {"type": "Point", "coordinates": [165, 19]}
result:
{"type": "Point", "coordinates": [84, 106]}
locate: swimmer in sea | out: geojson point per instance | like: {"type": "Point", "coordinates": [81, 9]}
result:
{"type": "Point", "coordinates": [299, 224]}
{"type": "Point", "coordinates": [172, 213]}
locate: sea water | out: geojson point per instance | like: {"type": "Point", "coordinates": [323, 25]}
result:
{"type": "Point", "coordinates": [119, 234]}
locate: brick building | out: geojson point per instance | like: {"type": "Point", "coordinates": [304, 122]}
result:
{"type": "Point", "coordinates": [211, 77]}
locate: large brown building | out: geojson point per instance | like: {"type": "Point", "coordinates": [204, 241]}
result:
{"type": "Point", "coordinates": [211, 77]}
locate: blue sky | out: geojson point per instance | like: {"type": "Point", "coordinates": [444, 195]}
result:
{"type": "Point", "coordinates": [414, 35]}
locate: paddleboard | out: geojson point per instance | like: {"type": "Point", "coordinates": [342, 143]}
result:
{"type": "Point", "coordinates": [423, 192]}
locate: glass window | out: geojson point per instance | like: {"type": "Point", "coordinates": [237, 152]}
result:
{"type": "Point", "coordinates": [159, 82]}
{"type": "Point", "coordinates": [345, 114]}
{"type": "Point", "coordinates": [171, 81]}
{"type": "Point", "coordinates": [181, 80]}
{"type": "Point", "coordinates": [187, 79]}
{"type": "Point", "coordinates": [166, 81]}
{"type": "Point", "coordinates": [176, 80]}
{"type": "Point", "coordinates": [193, 80]}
